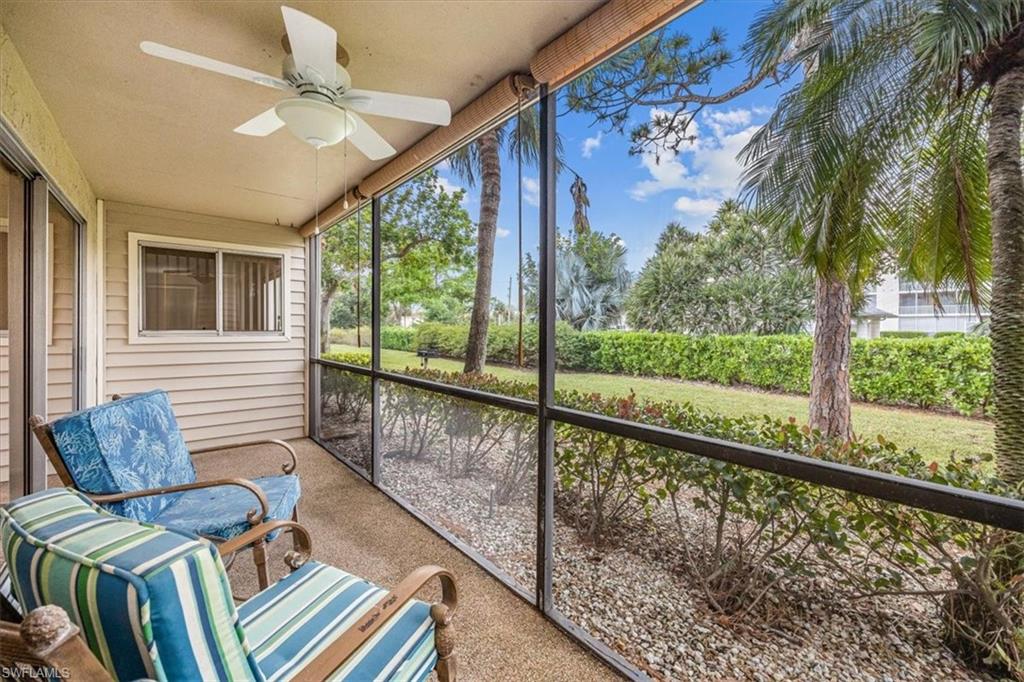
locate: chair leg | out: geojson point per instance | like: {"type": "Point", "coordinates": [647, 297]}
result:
{"type": "Point", "coordinates": [444, 642]}
{"type": "Point", "coordinates": [259, 555]}
{"type": "Point", "coordinates": [446, 669]}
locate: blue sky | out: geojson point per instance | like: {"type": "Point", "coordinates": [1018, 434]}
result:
{"type": "Point", "coordinates": [636, 196]}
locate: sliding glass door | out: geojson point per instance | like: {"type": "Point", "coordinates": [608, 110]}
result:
{"type": "Point", "coordinates": [40, 348]}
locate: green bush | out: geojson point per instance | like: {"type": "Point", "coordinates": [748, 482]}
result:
{"type": "Point", "coordinates": [754, 536]}
{"type": "Point", "coordinates": [355, 357]}
{"type": "Point", "coordinates": [398, 338]}
{"type": "Point", "coordinates": [947, 372]}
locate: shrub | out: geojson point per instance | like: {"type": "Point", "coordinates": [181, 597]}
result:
{"type": "Point", "coordinates": [753, 533]}
{"type": "Point", "coordinates": [948, 372]}
{"type": "Point", "coordinates": [398, 338]}
{"type": "Point", "coordinates": [349, 337]}
{"type": "Point", "coordinates": [355, 357]}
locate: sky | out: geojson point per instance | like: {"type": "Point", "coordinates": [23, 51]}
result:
{"type": "Point", "coordinates": [636, 196]}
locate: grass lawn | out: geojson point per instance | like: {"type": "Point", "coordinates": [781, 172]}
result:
{"type": "Point", "coordinates": [932, 434]}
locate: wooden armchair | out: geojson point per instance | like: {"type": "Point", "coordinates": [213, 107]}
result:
{"type": "Point", "coordinates": [129, 456]}
{"type": "Point", "coordinates": [316, 623]}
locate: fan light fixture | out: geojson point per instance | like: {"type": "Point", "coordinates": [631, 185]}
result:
{"type": "Point", "coordinates": [317, 123]}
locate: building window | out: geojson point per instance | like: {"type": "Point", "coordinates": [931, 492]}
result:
{"type": "Point", "coordinates": [193, 288]}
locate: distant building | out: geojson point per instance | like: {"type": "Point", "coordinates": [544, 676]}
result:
{"type": "Point", "coordinates": [903, 305]}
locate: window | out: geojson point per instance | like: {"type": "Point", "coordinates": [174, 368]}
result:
{"type": "Point", "coordinates": [187, 287]}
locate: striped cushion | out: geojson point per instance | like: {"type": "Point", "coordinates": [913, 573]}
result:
{"type": "Point", "coordinates": [292, 621]}
{"type": "Point", "coordinates": [150, 602]}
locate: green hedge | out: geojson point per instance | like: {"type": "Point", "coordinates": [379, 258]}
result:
{"type": "Point", "coordinates": [948, 372]}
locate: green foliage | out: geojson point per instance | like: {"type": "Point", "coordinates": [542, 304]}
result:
{"type": "Point", "coordinates": [361, 358]}
{"type": "Point", "coordinates": [951, 372]}
{"type": "Point", "coordinates": [591, 280]}
{"type": "Point", "coordinates": [751, 536]}
{"type": "Point", "coordinates": [427, 240]}
{"type": "Point", "coordinates": [398, 338]}
{"type": "Point", "coordinates": [737, 278]}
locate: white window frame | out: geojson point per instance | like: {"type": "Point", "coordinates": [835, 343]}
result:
{"type": "Point", "coordinates": [136, 335]}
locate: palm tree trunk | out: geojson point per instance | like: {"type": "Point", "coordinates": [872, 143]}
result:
{"type": "Point", "coordinates": [830, 364]}
{"type": "Point", "coordinates": [1006, 196]}
{"type": "Point", "coordinates": [487, 227]}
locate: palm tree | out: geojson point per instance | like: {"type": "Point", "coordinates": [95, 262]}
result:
{"type": "Point", "coordinates": [883, 149]}
{"type": "Point", "coordinates": [481, 160]}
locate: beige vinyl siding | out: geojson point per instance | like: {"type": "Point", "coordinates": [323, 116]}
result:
{"type": "Point", "coordinates": [226, 390]}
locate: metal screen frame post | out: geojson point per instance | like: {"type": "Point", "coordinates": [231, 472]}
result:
{"type": "Point", "coordinates": [375, 266]}
{"type": "Point", "coordinates": [313, 333]}
{"type": "Point", "coordinates": [546, 354]}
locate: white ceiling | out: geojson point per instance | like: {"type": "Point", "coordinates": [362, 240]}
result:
{"type": "Point", "coordinates": [152, 132]}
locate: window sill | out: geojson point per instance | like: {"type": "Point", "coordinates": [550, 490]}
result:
{"type": "Point", "coordinates": [167, 339]}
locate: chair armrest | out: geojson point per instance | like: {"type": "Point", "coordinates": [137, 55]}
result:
{"type": "Point", "coordinates": [302, 540]}
{"type": "Point", "coordinates": [48, 638]}
{"type": "Point", "coordinates": [254, 516]}
{"type": "Point", "coordinates": [287, 467]}
{"type": "Point", "coordinates": [329, 660]}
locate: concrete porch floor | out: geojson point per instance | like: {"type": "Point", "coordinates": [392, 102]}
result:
{"type": "Point", "coordinates": [360, 530]}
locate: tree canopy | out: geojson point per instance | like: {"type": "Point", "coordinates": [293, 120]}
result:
{"type": "Point", "coordinates": [736, 278]}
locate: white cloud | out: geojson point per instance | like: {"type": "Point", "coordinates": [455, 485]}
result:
{"type": "Point", "coordinates": [447, 185]}
{"type": "Point", "coordinates": [704, 170]}
{"type": "Point", "coordinates": [451, 188]}
{"type": "Point", "coordinates": [696, 207]}
{"type": "Point", "coordinates": [502, 232]}
{"type": "Point", "coordinates": [531, 191]}
{"type": "Point", "coordinates": [722, 121]}
{"type": "Point", "coordinates": [591, 144]}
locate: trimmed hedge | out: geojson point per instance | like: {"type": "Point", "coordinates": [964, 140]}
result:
{"type": "Point", "coordinates": [948, 372]}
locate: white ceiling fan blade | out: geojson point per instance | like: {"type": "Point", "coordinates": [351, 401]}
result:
{"type": "Point", "coordinates": [261, 125]}
{"type": "Point", "coordinates": [407, 107]}
{"type": "Point", "coordinates": [314, 44]}
{"type": "Point", "coordinates": [368, 141]}
{"type": "Point", "coordinates": [201, 62]}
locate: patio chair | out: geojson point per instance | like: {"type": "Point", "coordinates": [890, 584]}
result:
{"type": "Point", "coordinates": [129, 456]}
{"type": "Point", "coordinates": [151, 602]}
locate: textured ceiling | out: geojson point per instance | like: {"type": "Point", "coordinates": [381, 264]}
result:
{"type": "Point", "coordinates": [153, 132]}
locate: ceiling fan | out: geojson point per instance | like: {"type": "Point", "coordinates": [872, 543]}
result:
{"type": "Point", "coordinates": [324, 107]}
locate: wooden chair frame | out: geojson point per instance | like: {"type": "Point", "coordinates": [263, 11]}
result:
{"type": "Point", "coordinates": [48, 639]}
{"type": "Point", "coordinates": [44, 434]}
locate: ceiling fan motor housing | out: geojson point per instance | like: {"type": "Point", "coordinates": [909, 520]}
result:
{"type": "Point", "coordinates": [313, 82]}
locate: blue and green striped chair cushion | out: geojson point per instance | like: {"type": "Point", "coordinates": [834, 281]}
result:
{"type": "Point", "coordinates": [155, 603]}
{"type": "Point", "coordinates": [292, 621]}
{"type": "Point", "coordinates": [151, 603]}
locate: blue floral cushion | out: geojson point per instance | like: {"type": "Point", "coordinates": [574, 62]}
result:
{"type": "Point", "coordinates": [220, 512]}
{"type": "Point", "coordinates": [123, 446]}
